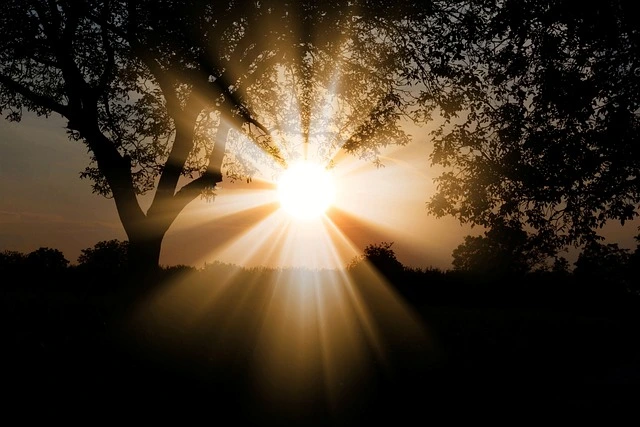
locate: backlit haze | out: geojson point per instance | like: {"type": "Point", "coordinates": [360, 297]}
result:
{"type": "Point", "coordinates": [45, 203]}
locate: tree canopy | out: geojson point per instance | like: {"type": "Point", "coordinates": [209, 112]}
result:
{"type": "Point", "coordinates": [107, 256]}
{"type": "Point", "coordinates": [380, 256]}
{"type": "Point", "coordinates": [543, 118]}
{"type": "Point", "coordinates": [504, 251]}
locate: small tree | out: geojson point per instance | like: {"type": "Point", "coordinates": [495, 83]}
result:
{"type": "Point", "coordinates": [110, 256]}
{"type": "Point", "coordinates": [602, 268]}
{"type": "Point", "coordinates": [560, 266]}
{"type": "Point", "coordinates": [11, 259]}
{"type": "Point", "coordinates": [380, 256]}
{"type": "Point", "coordinates": [47, 260]}
{"type": "Point", "coordinates": [12, 263]}
{"type": "Point", "coordinates": [503, 251]}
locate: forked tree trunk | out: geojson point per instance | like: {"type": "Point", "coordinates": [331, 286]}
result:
{"type": "Point", "coordinates": [145, 231]}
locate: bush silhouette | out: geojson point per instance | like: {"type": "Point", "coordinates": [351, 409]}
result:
{"type": "Point", "coordinates": [47, 260]}
{"type": "Point", "coordinates": [380, 256]}
{"type": "Point", "coordinates": [108, 256]}
{"type": "Point", "coordinates": [504, 251]}
{"type": "Point", "coordinates": [12, 260]}
{"type": "Point", "coordinates": [601, 269]}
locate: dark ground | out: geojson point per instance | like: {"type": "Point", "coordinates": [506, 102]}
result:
{"type": "Point", "coordinates": [491, 359]}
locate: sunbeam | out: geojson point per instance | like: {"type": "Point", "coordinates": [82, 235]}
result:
{"type": "Point", "coordinates": [303, 325]}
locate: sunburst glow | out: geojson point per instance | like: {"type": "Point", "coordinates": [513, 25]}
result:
{"type": "Point", "coordinates": [310, 324]}
{"type": "Point", "coordinates": [306, 190]}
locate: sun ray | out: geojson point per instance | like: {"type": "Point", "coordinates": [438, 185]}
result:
{"type": "Point", "coordinates": [309, 325]}
{"type": "Point", "coordinates": [252, 245]}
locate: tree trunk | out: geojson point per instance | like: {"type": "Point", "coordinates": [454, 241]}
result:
{"type": "Point", "coordinates": [143, 264]}
{"type": "Point", "coordinates": [144, 253]}
{"type": "Point", "coordinates": [143, 278]}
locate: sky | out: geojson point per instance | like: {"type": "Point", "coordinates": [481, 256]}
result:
{"type": "Point", "coordinates": [44, 203]}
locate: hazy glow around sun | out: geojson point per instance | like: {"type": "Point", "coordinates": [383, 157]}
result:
{"type": "Point", "coordinates": [306, 190]}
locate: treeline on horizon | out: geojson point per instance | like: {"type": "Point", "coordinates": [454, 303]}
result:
{"type": "Point", "coordinates": [604, 277]}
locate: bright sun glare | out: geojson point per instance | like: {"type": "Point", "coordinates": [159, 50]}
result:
{"type": "Point", "coordinates": [306, 190]}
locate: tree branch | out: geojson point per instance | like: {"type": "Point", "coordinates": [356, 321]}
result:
{"type": "Point", "coordinates": [34, 97]}
{"type": "Point", "coordinates": [117, 171]}
{"type": "Point", "coordinates": [166, 85]}
{"type": "Point", "coordinates": [236, 113]}
{"type": "Point", "coordinates": [167, 209]}
{"type": "Point", "coordinates": [213, 174]}
{"type": "Point", "coordinates": [182, 145]}
{"type": "Point", "coordinates": [107, 74]}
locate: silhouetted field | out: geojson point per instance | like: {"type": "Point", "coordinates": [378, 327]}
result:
{"type": "Point", "coordinates": [73, 328]}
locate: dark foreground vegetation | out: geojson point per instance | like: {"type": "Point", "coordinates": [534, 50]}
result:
{"type": "Point", "coordinates": [69, 327]}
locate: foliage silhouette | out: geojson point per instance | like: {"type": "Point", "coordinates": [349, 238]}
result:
{"type": "Point", "coordinates": [12, 260]}
{"type": "Point", "coordinates": [46, 260]}
{"type": "Point", "coordinates": [542, 331]}
{"type": "Point", "coordinates": [381, 257]}
{"type": "Point", "coordinates": [503, 252]}
{"type": "Point", "coordinates": [560, 266]}
{"type": "Point", "coordinates": [108, 256]}
{"type": "Point", "coordinates": [542, 128]}
{"type": "Point", "coordinates": [604, 269]}
{"type": "Point", "coordinates": [496, 269]}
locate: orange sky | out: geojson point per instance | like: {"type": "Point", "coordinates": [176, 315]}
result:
{"type": "Point", "coordinates": [43, 202]}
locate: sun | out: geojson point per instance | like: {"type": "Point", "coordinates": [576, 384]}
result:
{"type": "Point", "coordinates": [306, 190]}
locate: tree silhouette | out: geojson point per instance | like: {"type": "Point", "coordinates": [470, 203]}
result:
{"type": "Point", "coordinates": [108, 256]}
{"type": "Point", "coordinates": [380, 256]}
{"type": "Point", "coordinates": [166, 95]}
{"type": "Point", "coordinates": [11, 261]}
{"type": "Point", "coordinates": [543, 118]}
{"type": "Point", "coordinates": [560, 267]}
{"type": "Point", "coordinates": [503, 251]}
{"type": "Point", "coordinates": [603, 268]}
{"type": "Point", "coordinates": [46, 260]}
